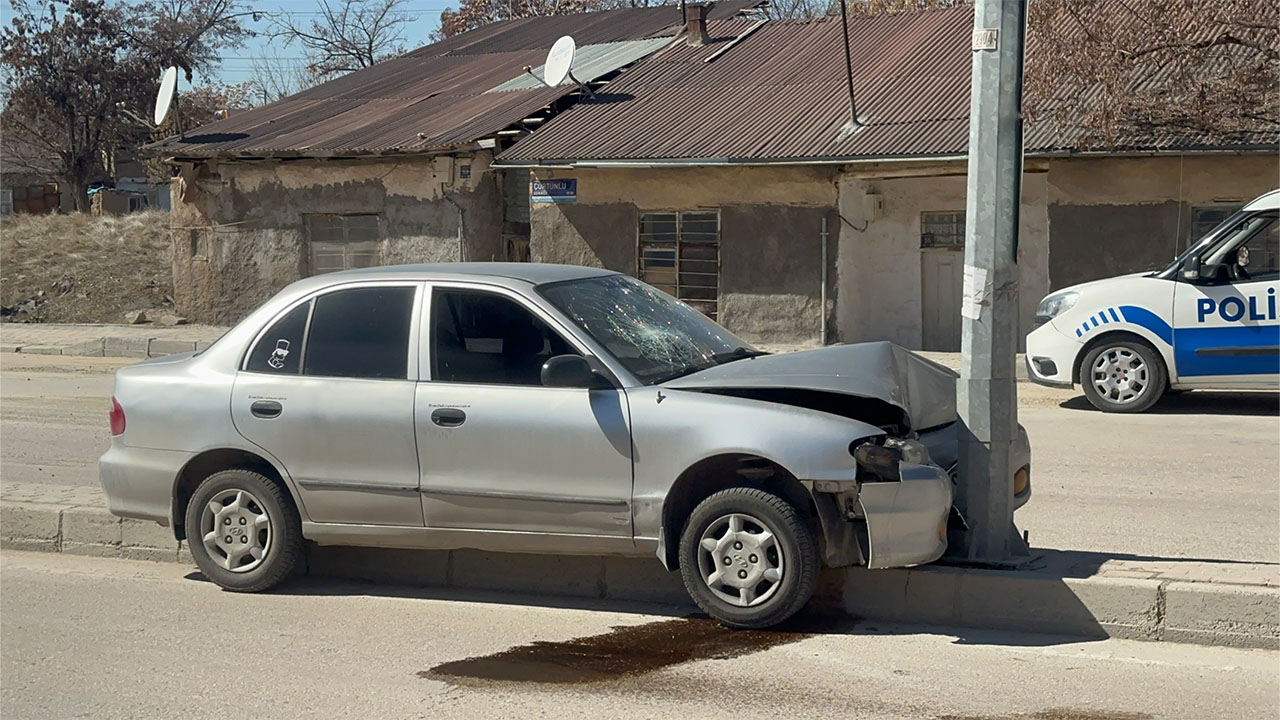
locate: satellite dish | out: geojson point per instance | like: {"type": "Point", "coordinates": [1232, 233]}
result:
{"type": "Point", "coordinates": [559, 60]}
{"type": "Point", "coordinates": [168, 85]}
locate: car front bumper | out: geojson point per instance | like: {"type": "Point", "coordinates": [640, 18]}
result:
{"type": "Point", "coordinates": [907, 519]}
{"type": "Point", "coordinates": [1051, 356]}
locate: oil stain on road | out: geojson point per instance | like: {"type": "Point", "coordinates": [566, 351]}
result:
{"type": "Point", "coordinates": [623, 652]}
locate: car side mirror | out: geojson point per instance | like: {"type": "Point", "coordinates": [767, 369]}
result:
{"type": "Point", "coordinates": [1194, 270]}
{"type": "Point", "coordinates": [567, 371]}
{"type": "Point", "coordinates": [1191, 268]}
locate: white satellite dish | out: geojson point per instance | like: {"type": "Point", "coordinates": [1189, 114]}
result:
{"type": "Point", "coordinates": [559, 60]}
{"type": "Point", "coordinates": [164, 99]}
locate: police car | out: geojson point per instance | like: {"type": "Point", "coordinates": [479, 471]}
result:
{"type": "Point", "coordinates": [1208, 320]}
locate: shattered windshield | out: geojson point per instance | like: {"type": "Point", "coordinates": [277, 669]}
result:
{"type": "Point", "coordinates": [652, 334]}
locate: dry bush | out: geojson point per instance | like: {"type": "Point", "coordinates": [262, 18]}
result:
{"type": "Point", "coordinates": [79, 268]}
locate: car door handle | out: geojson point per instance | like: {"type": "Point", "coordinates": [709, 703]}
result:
{"type": "Point", "coordinates": [266, 409]}
{"type": "Point", "coordinates": [448, 417]}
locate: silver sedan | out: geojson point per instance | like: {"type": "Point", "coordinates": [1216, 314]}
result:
{"type": "Point", "coordinates": [538, 409]}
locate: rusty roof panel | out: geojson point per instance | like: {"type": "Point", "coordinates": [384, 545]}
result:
{"type": "Point", "coordinates": [430, 98]}
{"type": "Point", "coordinates": [780, 93]}
{"type": "Point", "coordinates": [589, 63]}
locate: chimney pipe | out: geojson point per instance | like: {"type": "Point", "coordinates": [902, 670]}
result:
{"type": "Point", "coordinates": [695, 29]}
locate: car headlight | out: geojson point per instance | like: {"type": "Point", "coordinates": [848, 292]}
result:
{"type": "Point", "coordinates": [1056, 304]}
{"type": "Point", "coordinates": [883, 460]}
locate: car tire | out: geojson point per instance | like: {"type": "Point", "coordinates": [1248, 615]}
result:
{"type": "Point", "coordinates": [258, 541]}
{"type": "Point", "coordinates": [756, 582]}
{"type": "Point", "coordinates": [1123, 376]}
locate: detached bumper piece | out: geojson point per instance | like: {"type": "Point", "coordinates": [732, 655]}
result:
{"type": "Point", "coordinates": [907, 519]}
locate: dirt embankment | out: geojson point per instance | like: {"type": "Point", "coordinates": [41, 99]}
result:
{"type": "Point", "coordinates": [79, 268]}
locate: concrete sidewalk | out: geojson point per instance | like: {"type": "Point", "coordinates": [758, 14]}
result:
{"type": "Point", "coordinates": [149, 340]}
{"type": "Point", "coordinates": [130, 341]}
{"type": "Point", "coordinates": [1091, 595]}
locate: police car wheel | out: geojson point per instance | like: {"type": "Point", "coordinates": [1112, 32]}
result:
{"type": "Point", "coordinates": [1123, 376]}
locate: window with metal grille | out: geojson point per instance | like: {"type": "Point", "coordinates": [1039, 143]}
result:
{"type": "Point", "coordinates": [942, 230]}
{"type": "Point", "coordinates": [680, 255]}
{"type": "Point", "coordinates": [343, 242]}
{"type": "Point", "coordinates": [1207, 217]}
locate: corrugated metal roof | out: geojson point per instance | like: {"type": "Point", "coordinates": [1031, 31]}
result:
{"type": "Point", "coordinates": [781, 94]}
{"type": "Point", "coordinates": [433, 97]}
{"type": "Point", "coordinates": [590, 62]}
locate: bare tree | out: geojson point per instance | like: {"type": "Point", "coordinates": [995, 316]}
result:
{"type": "Point", "coordinates": [346, 35]}
{"type": "Point", "coordinates": [188, 34]}
{"type": "Point", "coordinates": [70, 67]}
{"type": "Point", "coordinates": [275, 78]}
{"type": "Point", "coordinates": [472, 14]}
{"type": "Point", "coordinates": [1107, 70]}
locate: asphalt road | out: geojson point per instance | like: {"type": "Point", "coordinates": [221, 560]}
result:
{"type": "Point", "coordinates": [1197, 478]}
{"type": "Point", "coordinates": [89, 637]}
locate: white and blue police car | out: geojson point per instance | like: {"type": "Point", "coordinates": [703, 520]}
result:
{"type": "Point", "coordinates": [1208, 320]}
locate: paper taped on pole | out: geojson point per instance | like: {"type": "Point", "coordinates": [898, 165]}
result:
{"type": "Point", "coordinates": [977, 292]}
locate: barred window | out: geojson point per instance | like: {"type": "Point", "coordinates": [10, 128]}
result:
{"type": "Point", "coordinates": [942, 230]}
{"type": "Point", "coordinates": [680, 255]}
{"type": "Point", "coordinates": [343, 242]}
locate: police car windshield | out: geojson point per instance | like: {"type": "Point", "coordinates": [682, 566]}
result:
{"type": "Point", "coordinates": [1208, 240]}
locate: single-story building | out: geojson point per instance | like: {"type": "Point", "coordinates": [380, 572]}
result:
{"type": "Point", "coordinates": [743, 141]}
{"type": "Point", "coordinates": [387, 165]}
{"type": "Point", "coordinates": [714, 159]}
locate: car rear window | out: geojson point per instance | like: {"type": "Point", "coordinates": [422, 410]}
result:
{"type": "Point", "coordinates": [279, 350]}
{"type": "Point", "coordinates": [361, 333]}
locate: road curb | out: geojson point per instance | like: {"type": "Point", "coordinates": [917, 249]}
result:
{"type": "Point", "coordinates": [1049, 600]}
{"type": "Point", "coordinates": [112, 346]}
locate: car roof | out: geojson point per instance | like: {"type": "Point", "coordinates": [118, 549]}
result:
{"type": "Point", "coordinates": [1267, 201]}
{"type": "Point", "coordinates": [533, 273]}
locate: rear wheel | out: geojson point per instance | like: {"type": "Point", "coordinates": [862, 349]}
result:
{"type": "Point", "coordinates": [1123, 376]}
{"type": "Point", "coordinates": [243, 531]}
{"type": "Point", "coordinates": [748, 558]}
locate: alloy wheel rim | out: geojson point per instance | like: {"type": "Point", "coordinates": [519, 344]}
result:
{"type": "Point", "coordinates": [236, 530]}
{"type": "Point", "coordinates": [740, 560]}
{"type": "Point", "coordinates": [1120, 375]}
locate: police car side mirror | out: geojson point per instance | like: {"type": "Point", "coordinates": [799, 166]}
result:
{"type": "Point", "coordinates": [1191, 268]}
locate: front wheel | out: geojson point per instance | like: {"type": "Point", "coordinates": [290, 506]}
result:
{"type": "Point", "coordinates": [748, 558]}
{"type": "Point", "coordinates": [1123, 376]}
{"type": "Point", "coordinates": [243, 531]}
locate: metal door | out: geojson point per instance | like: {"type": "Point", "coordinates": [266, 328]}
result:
{"type": "Point", "coordinates": [347, 442]}
{"type": "Point", "coordinates": [940, 290]}
{"type": "Point", "coordinates": [522, 457]}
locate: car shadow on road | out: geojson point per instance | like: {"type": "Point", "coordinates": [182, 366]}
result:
{"type": "Point", "coordinates": [1201, 402]}
{"type": "Point", "coordinates": [1041, 603]}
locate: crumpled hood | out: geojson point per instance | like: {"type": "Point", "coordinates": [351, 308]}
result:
{"type": "Point", "coordinates": [923, 389]}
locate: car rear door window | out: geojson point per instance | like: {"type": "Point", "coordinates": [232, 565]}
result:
{"type": "Point", "coordinates": [361, 333]}
{"type": "Point", "coordinates": [279, 350]}
{"type": "Point", "coordinates": [487, 338]}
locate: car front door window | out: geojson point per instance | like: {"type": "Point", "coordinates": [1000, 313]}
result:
{"type": "Point", "coordinates": [490, 339]}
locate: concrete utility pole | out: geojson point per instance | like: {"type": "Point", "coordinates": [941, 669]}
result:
{"type": "Point", "coordinates": [987, 392]}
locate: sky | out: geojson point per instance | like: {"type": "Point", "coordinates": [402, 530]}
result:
{"type": "Point", "coordinates": [237, 66]}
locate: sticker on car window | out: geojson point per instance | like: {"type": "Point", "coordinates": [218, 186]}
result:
{"type": "Point", "coordinates": [279, 354]}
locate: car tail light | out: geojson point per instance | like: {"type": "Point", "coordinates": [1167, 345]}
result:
{"type": "Point", "coordinates": [117, 417]}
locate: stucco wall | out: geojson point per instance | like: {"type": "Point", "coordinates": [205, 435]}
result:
{"type": "Point", "coordinates": [880, 270]}
{"type": "Point", "coordinates": [1116, 215]}
{"type": "Point", "coordinates": [251, 217]}
{"type": "Point", "coordinates": [770, 246]}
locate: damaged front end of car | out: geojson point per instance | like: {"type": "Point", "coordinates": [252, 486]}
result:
{"type": "Point", "coordinates": [896, 509]}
